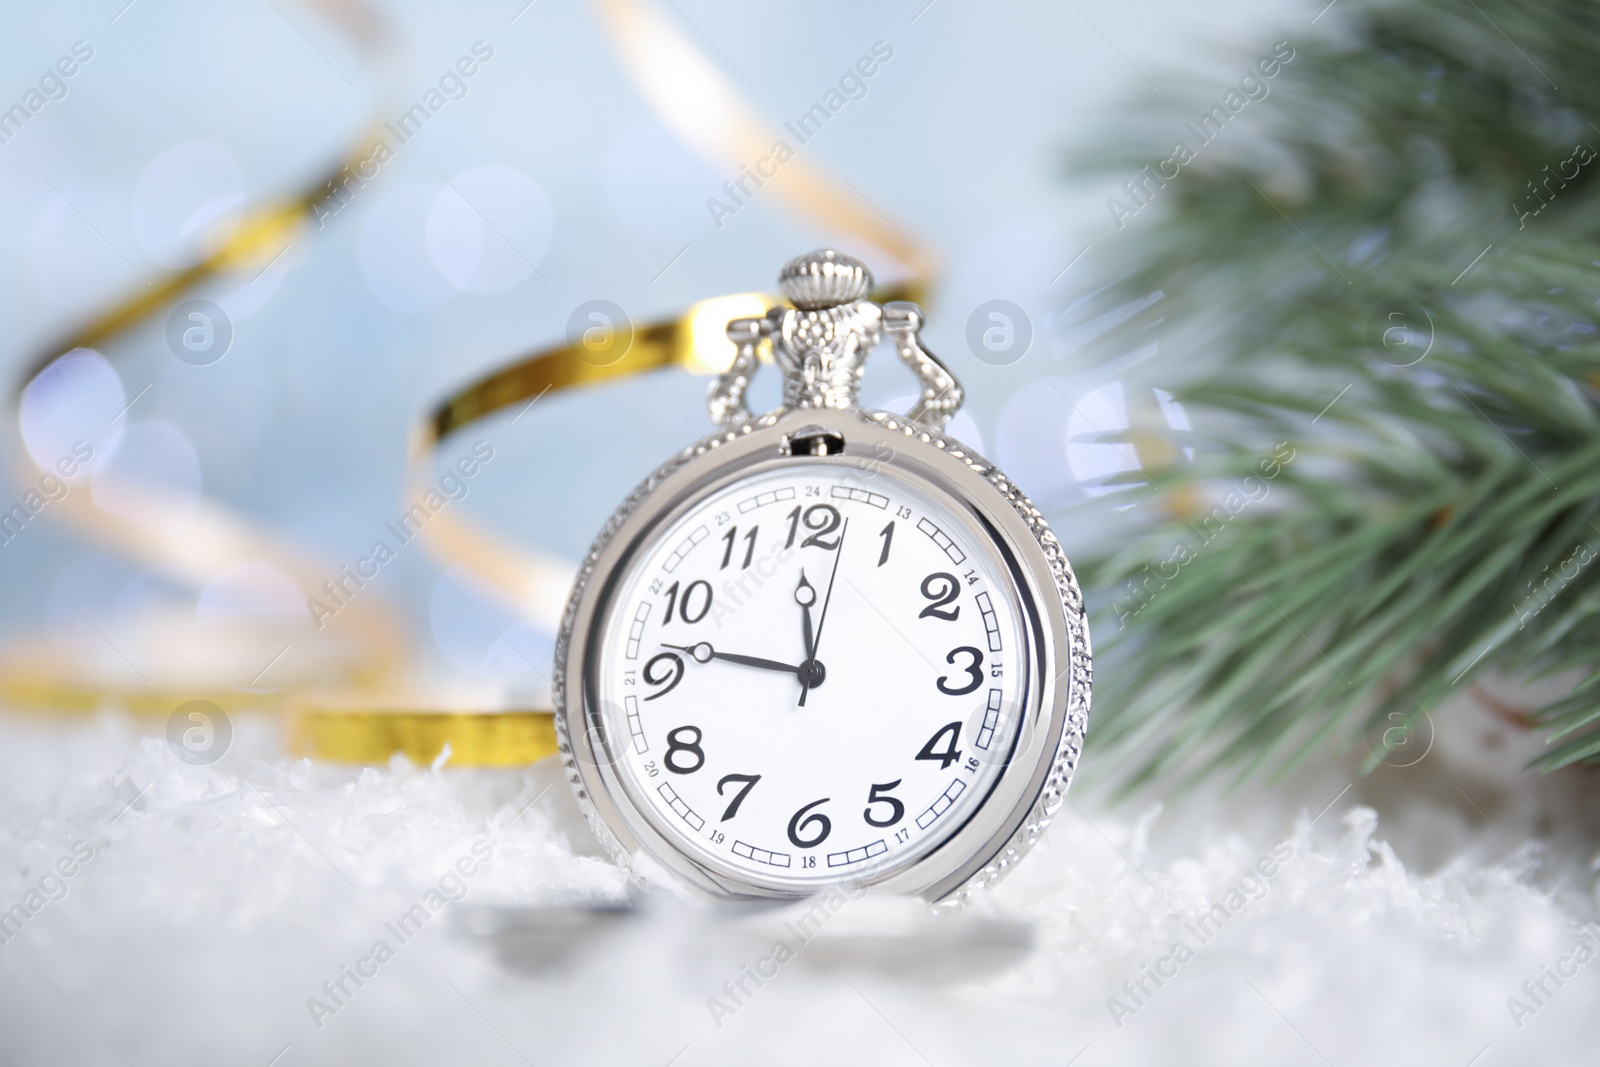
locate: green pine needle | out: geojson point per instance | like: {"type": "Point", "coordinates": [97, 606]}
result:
{"type": "Point", "coordinates": [1437, 519]}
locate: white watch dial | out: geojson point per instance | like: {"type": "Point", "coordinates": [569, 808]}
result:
{"type": "Point", "coordinates": [811, 675]}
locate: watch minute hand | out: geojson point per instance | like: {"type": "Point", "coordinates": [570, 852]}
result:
{"type": "Point", "coordinates": [703, 652]}
{"type": "Point", "coordinates": [822, 617]}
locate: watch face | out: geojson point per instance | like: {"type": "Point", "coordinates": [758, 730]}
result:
{"type": "Point", "coordinates": [814, 674]}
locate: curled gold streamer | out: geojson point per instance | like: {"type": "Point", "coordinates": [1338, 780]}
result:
{"type": "Point", "coordinates": [366, 645]}
{"type": "Point", "coordinates": [699, 104]}
{"type": "Point", "coordinates": [710, 115]}
{"type": "Point", "coordinates": [533, 583]}
{"type": "Point", "coordinates": [352, 724]}
{"type": "Point", "coordinates": [372, 733]}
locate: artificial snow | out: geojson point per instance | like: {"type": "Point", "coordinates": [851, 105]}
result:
{"type": "Point", "coordinates": [265, 910]}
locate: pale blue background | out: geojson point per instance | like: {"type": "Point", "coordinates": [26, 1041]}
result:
{"type": "Point", "coordinates": [963, 138]}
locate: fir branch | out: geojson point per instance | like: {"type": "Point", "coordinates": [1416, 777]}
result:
{"type": "Point", "coordinates": [1440, 517]}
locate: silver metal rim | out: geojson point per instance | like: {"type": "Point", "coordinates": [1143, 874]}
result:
{"type": "Point", "coordinates": [1034, 786]}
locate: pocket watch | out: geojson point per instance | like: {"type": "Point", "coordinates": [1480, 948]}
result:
{"type": "Point", "coordinates": [826, 646]}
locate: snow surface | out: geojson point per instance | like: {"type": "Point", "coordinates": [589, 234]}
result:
{"type": "Point", "coordinates": [218, 900]}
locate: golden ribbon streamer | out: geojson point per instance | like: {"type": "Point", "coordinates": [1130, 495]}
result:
{"type": "Point", "coordinates": [705, 110]}
{"type": "Point", "coordinates": [333, 711]}
{"type": "Point", "coordinates": [373, 734]}
{"type": "Point", "coordinates": [708, 114]}
{"type": "Point", "coordinates": [59, 673]}
{"type": "Point", "coordinates": [534, 584]}
{"type": "Point", "coordinates": [696, 342]}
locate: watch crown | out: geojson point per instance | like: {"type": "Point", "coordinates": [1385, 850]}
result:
{"type": "Point", "coordinates": [824, 279]}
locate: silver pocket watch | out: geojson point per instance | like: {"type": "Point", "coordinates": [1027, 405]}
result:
{"type": "Point", "coordinates": [826, 647]}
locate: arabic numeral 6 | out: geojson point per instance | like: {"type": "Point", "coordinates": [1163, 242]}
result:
{"type": "Point", "coordinates": [814, 824]}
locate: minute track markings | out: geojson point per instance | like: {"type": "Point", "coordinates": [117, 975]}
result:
{"type": "Point", "coordinates": [806, 596]}
{"type": "Point", "coordinates": [888, 796]}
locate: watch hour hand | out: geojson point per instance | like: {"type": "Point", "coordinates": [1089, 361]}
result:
{"type": "Point", "coordinates": [805, 595]}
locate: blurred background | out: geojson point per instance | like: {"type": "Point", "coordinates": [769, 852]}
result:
{"type": "Point", "coordinates": [585, 194]}
{"type": "Point", "coordinates": [1161, 337]}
